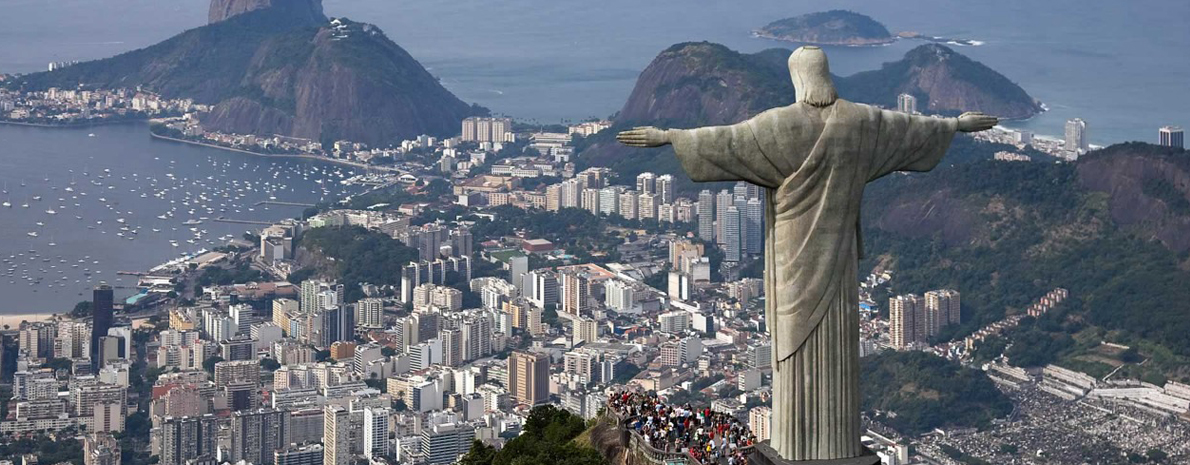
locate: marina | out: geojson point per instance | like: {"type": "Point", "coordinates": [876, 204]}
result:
{"type": "Point", "coordinates": [129, 202]}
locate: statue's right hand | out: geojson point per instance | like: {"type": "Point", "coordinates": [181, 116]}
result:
{"type": "Point", "coordinates": [646, 136]}
{"type": "Point", "coordinates": [974, 121]}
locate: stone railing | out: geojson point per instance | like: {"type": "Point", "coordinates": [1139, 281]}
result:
{"type": "Point", "coordinates": [634, 442]}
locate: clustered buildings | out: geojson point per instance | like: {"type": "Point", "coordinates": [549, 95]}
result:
{"type": "Point", "coordinates": [77, 106]}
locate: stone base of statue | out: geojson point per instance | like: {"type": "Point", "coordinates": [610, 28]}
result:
{"type": "Point", "coordinates": [762, 454]}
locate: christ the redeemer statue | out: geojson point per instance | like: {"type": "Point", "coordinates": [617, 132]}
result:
{"type": "Point", "coordinates": [815, 157]}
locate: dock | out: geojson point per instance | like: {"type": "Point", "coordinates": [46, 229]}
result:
{"type": "Point", "coordinates": [286, 204]}
{"type": "Point", "coordinates": [230, 220]}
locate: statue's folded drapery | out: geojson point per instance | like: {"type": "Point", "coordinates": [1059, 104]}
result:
{"type": "Point", "coordinates": [815, 162]}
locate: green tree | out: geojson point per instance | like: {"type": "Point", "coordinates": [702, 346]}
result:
{"type": "Point", "coordinates": [269, 364]}
{"type": "Point", "coordinates": [209, 363]}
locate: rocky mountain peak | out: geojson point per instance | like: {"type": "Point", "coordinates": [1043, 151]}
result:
{"type": "Point", "coordinates": [222, 9]}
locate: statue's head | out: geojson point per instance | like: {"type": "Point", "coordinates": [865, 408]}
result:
{"type": "Point", "coordinates": [812, 76]}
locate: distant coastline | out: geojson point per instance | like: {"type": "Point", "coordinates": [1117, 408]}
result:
{"type": "Point", "coordinates": [272, 155]}
{"type": "Point", "coordinates": [88, 124]}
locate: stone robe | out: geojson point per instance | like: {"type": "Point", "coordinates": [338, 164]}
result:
{"type": "Point", "coordinates": [815, 162]}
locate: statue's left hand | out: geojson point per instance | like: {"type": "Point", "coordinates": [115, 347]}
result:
{"type": "Point", "coordinates": [646, 136]}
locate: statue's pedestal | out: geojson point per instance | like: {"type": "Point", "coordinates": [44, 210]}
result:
{"type": "Point", "coordinates": [765, 455]}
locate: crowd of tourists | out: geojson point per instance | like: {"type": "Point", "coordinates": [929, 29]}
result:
{"type": "Point", "coordinates": [707, 436]}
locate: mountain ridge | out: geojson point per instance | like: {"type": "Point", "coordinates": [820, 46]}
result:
{"type": "Point", "coordinates": [275, 70]}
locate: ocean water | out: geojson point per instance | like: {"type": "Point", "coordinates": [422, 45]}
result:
{"type": "Point", "coordinates": [1121, 66]}
{"type": "Point", "coordinates": [119, 201]}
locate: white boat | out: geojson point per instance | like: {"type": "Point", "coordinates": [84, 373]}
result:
{"type": "Point", "coordinates": [32, 233]}
{"type": "Point", "coordinates": [51, 212]}
{"type": "Point", "coordinates": [7, 204]}
{"type": "Point", "coordinates": [37, 197]}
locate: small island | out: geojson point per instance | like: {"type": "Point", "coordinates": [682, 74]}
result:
{"type": "Point", "coordinates": [835, 27]}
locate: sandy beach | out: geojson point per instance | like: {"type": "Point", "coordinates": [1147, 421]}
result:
{"type": "Point", "coordinates": [14, 321]}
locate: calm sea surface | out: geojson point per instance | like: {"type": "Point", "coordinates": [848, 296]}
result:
{"type": "Point", "coordinates": [120, 201]}
{"type": "Point", "coordinates": [1121, 66]}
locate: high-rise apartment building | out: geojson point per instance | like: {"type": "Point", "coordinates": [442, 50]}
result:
{"type": "Point", "coordinates": [903, 313]}
{"type": "Point", "coordinates": [754, 225]}
{"type": "Point", "coordinates": [545, 287]}
{"type": "Point", "coordinates": [576, 292]}
{"type": "Point", "coordinates": [336, 435]}
{"type": "Point", "coordinates": [706, 215]}
{"type": "Point", "coordinates": [186, 438]}
{"type": "Point", "coordinates": [942, 308]}
{"type": "Point", "coordinates": [723, 200]}
{"type": "Point", "coordinates": [731, 234]}
{"type": "Point", "coordinates": [102, 307]}
{"type": "Point", "coordinates": [665, 188]}
{"type": "Point", "coordinates": [1170, 136]}
{"type": "Point", "coordinates": [369, 313]}
{"type": "Point", "coordinates": [376, 432]}
{"type": "Point", "coordinates": [1076, 136]}
{"type": "Point", "coordinates": [907, 104]}
{"type": "Point", "coordinates": [759, 419]}
{"type": "Point", "coordinates": [256, 434]}
{"type": "Point", "coordinates": [528, 377]}
{"type": "Point", "coordinates": [646, 183]}
{"type": "Point", "coordinates": [480, 129]}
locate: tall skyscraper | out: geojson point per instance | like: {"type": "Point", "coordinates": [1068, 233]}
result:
{"type": "Point", "coordinates": [1170, 136]}
{"type": "Point", "coordinates": [102, 307]}
{"type": "Point", "coordinates": [1076, 136]}
{"type": "Point", "coordinates": [754, 222]}
{"type": "Point", "coordinates": [665, 188]}
{"type": "Point", "coordinates": [528, 377]}
{"type": "Point", "coordinates": [376, 432]}
{"type": "Point", "coordinates": [576, 292]}
{"type": "Point", "coordinates": [646, 183]}
{"type": "Point", "coordinates": [740, 190]}
{"type": "Point", "coordinates": [904, 313]}
{"type": "Point", "coordinates": [336, 435]}
{"type": "Point", "coordinates": [723, 200]}
{"type": "Point", "coordinates": [545, 287]}
{"type": "Point", "coordinates": [706, 216]}
{"type": "Point", "coordinates": [518, 267]}
{"type": "Point", "coordinates": [907, 104]}
{"type": "Point", "coordinates": [731, 234]}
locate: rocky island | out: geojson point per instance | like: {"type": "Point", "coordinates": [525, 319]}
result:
{"type": "Point", "coordinates": [835, 27]}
